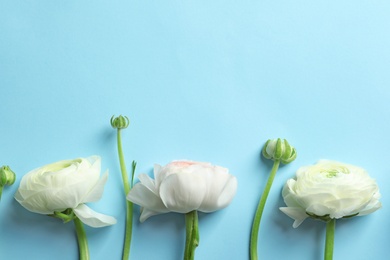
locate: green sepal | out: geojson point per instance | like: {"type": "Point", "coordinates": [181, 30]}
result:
{"type": "Point", "coordinates": [279, 149]}
{"type": "Point", "coordinates": [7, 176]}
{"type": "Point", "coordinates": [120, 122]}
{"type": "Point", "coordinates": [327, 218]}
{"type": "Point", "coordinates": [66, 215]}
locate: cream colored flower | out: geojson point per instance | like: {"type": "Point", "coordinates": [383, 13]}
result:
{"type": "Point", "coordinates": [330, 190]}
{"type": "Point", "coordinates": [65, 185]}
{"type": "Point", "coordinates": [183, 186]}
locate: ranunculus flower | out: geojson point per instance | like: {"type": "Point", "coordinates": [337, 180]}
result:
{"type": "Point", "coordinates": [330, 190]}
{"type": "Point", "coordinates": [183, 186]}
{"type": "Point", "coordinates": [65, 185]}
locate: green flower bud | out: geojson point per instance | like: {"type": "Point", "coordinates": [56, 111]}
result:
{"type": "Point", "coordinates": [279, 149]}
{"type": "Point", "coordinates": [7, 176]}
{"type": "Point", "coordinates": [120, 122]}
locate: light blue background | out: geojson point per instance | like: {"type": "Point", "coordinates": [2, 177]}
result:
{"type": "Point", "coordinates": [201, 80]}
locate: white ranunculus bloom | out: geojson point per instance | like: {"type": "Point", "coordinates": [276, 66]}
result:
{"type": "Point", "coordinates": [330, 190]}
{"type": "Point", "coordinates": [65, 185]}
{"type": "Point", "coordinates": [183, 186]}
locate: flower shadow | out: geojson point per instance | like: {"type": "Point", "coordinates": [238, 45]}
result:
{"type": "Point", "coordinates": [164, 225]}
{"type": "Point", "coordinates": [24, 225]}
{"type": "Point", "coordinates": [165, 228]}
{"type": "Point", "coordinates": [310, 231]}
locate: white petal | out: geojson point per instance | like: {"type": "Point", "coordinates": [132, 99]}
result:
{"type": "Point", "coordinates": [148, 182]}
{"type": "Point", "coordinates": [221, 192]}
{"type": "Point", "coordinates": [298, 214]}
{"type": "Point", "coordinates": [35, 203]}
{"type": "Point", "coordinates": [158, 175]}
{"type": "Point", "coordinates": [146, 213]}
{"type": "Point", "coordinates": [93, 218]}
{"type": "Point", "coordinates": [146, 198]}
{"type": "Point", "coordinates": [228, 192]}
{"type": "Point", "coordinates": [97, 191]}
{"type": "Point", "coordinates": [183, 192]}
{"type": "Point", "coordinates": [374, 205]}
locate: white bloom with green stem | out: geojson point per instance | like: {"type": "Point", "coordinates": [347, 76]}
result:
{"type": "Point", "coordinates": [184, 187]}
{"type": "Point", "coordinates": [327, 191]}
{"type": "Point", "coordinates": [61, 190]}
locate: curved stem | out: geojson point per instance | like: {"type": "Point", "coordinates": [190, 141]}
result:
{"type": "Point", "coordinates": [66, 216]}
{"type": "Point", "coordinates": [125, 179]}
{"type": "Point", "coordinates": [259, 212]}
{"type": "Point", "coordinates": [329, 240]}
{"type": "Point", "coordinates": [192, 235]}
{"type": "Point", "coordinates": [129, 205]}
{"type": "Point", "coordinates": [82, 240]}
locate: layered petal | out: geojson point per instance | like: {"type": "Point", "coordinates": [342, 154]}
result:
{"type": "Point", "coordinates": [145, 195]}
{"type": "Point", "coordinates": [183, 192]}
{"type": "Point", "coordinates": [147, 213]}
{"type": "Point", "coordinates": [372, 206]}
{"type": "Point", "coordinates": [64, 185]}
{"type": "Point", "coordinates": [298, 214]}
{"type": "Point", "coordinates": [93, 218]}
{"type": "Point", "coordinates": [220, 192]}
{"type": "Point", "coordinates": [96, 192]}
{"type": "Point", "coordinates": [332, 190]}
{"type": "Point", "coordinates": [183, 186]}
{"type": "Point", "coordinates": [34, 201]}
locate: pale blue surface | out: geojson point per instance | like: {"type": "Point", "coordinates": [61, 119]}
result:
{"type": "Point", "coordinates": [201, 80]}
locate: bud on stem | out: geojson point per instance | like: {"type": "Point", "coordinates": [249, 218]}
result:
{"type": "Point", "coordinates": [279, 149]}
{"type": "Point", "coordinates": [7, 176]}
{"type": "Point", "coordinates": [120, 122]}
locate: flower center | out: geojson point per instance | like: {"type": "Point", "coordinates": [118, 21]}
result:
{"type": "Point", "coordinates": [331, 173]}
{"type": "Point", "coordinates": [55, 167]}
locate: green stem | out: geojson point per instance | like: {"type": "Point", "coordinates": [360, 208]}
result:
{"type": "Point", "coordinates": [259, 212]}
{"type": "Point", "coordinates": [82, 240]}
{"type": "Point", "coordinates": [129, 205]}
{"type": "Point", "coordinates": [192, 235]}
{"type": "Point", "coordinates": [125, 179]}
{"type": "Point", "coordinates": [1, 191]}
{"type": "Point", "coordinates": [329, 240]}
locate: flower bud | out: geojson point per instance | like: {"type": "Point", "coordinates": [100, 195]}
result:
{"type": "Point", "coordinates": [120, 122]}
{"type": "Point", "coordinates": [7, 176]}
{"type": "Point", "coordinates": [279, 149]}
